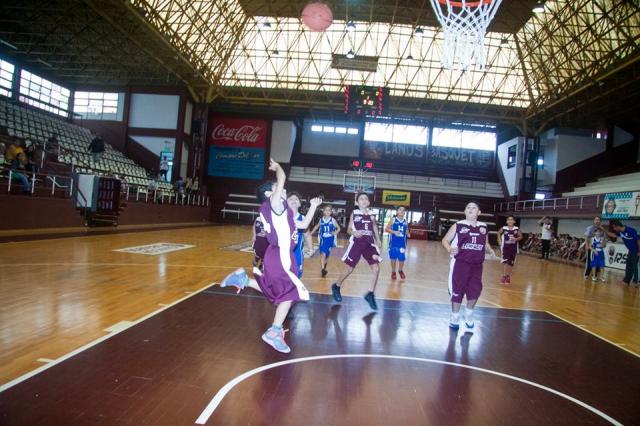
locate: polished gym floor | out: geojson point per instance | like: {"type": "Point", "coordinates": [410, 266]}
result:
{"type": "Point", "coordinates": [90, 335]}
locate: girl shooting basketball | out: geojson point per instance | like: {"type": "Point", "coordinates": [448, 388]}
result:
{"type": "Point", "coordinates": [279, 280]}
{"type": "Point", "coordinates": [364, 242]}
{"type": "Point", "coordinates": [466, 241]}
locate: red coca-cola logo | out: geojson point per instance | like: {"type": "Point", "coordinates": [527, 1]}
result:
{"type": "Point", "coordinates": [246, 133]}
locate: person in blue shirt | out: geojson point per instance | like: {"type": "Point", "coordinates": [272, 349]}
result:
{"type": "Point", "coordinates": [631, 240]}
{"type": "Point", "coordinates": [597, 245]}
{"type": "Point", "coordinates": [328, 230]}
{"type": "Point", "coordinates": [398, 230]}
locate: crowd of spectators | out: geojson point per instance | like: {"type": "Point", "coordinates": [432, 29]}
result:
{"type": "Point", "coordinates": [563, 247]}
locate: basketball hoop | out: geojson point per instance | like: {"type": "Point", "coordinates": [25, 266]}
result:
{"type": "Point", "coordinates": [464, 24]}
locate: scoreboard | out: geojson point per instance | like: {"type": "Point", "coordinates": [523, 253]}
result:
{"type": "Point", "coordinates": [366, 101]}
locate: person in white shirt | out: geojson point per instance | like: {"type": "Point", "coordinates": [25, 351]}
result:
{"type": "Point", "coordinates": [546, 232]}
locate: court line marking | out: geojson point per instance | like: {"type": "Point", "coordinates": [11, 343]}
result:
{"type": "Point", "coordinates": [219, 396]}
{"type": "Point", "coordinates": [618, 345]}
{"type": "Point", "coordinates": [97, 341]}
{"type": "Point", "coordinates": [45, 360]}
{"type": "Point", "coordinates": [387, 308]}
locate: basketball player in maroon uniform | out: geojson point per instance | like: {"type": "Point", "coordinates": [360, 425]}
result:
{"type": "Point", "coordinates": [364, 242]}
{"type": "Point", "coordinates": [508, 238]}
{"type": "Point", "coordinates": [466, 241]}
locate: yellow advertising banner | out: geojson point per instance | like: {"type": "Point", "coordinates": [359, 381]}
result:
{"type": "Point", "coordinates": [396, 198]}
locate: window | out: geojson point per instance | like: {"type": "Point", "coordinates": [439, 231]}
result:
{"type": "Point", "coordinates": [511, 156]}
{"type": "Point", "coordinates": [43, 94]}
{"type": "Point", "coordinates": [466, 139]}
{"type": "Point", "coordinates": [99, 105]}
{"type": "Point", "coordinates": [352, 131]}
{"type": "Point", "coordinates": [334, 128]}
{"type": "Point", "coordinates": [396, 133]}
{"type": "Point", "coordinates": [6, 78]}
{"type": "Point", "coordinates": [316, 128]}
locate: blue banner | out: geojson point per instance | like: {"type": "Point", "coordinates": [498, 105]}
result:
{"type": "Point", "coordinates": [244, 163]}
{"type": "Point", "coordinates": [621, 205]}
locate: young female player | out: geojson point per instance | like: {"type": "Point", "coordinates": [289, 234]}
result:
{"type": "Point", "coordinates": [398, 230]}
{"type": "Point", "coordinates": [260, 242]}
{"type": "Point", "coordinates": [598, 243]}
{"type": "Point", "coordinates": [279, 280]}
{"type": "Point", "coordinates": [364, 242]}
{"type": "Point", "coordinates": [295, 202]}
{"type": "Point", "coordinates": [508, 238]}
{"type": "Point", "coordinates": [466, 241]}
{"type": "Point", "coordinates": [328, 230]}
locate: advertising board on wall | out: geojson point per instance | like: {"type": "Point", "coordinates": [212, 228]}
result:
{"type": "Point", "coordinates": [460, 157]}
{"type": "Point", "coordinates": [615, 256]}
{"type": "Point", "coordinates": [396, 198]}
{"type": "Point", "coordinates": [621, 205]}
{"type": "Point", "coordinates": [237, 147]}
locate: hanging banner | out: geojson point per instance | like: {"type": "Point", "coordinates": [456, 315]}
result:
{"type": "Point", "coordinates": [237, 147]}
{"type": "Point", "coordinates": [458, 157]}
{"type": "Point", "coordinates": [396, 198]}
{"type": "Point", "coordinates": [621, 205]}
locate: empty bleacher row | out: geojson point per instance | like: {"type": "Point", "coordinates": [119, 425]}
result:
{"type": "Point", "coordinates": [32, 126]}
{"type": "Point", "coordinates": [621, 183]}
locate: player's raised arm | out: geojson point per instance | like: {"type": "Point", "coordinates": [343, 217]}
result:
{"type": "Point", "coordinates": [304, 224]}
{"type": "Point", "coordinates": [276, 196]}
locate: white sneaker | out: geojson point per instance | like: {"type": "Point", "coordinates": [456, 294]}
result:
{"type": "Point", "coordinates": [454, 322]}
{"type": "Point", "coordinates": [593, 278]}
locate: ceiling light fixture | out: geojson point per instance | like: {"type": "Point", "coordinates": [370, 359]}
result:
{"type": "Point", "coordinates": [351, 26]}
{"type": "Point", "coordinates": [419, 32]}
{"type": "Point", "coordinates": [350, 54]}
{"type": "Point", "coordinates": [538, 7]}
{"type": "Point", "coordinates": [409, 57]}
{"type": "Point", "coordinates": [504, 41]}
{"type": "Point", "coordinates": [275, 52]}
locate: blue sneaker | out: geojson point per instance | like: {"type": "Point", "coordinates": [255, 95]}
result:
{"type": "Point", "coordinates": [335, 292]}
{"type": "Point", "coordinates": [371, 300]}
{"type": "Point", "coordinates": [274, 336]}
{"type": "Point", "coordinates": [237, 278]}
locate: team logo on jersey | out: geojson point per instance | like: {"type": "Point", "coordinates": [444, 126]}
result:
{"type": "Point", "coordinates": [464, 230]}
{"type": "Point", "coordinates": [483, 231]}
{"type": "Point", "coordinates": [357, 218]}
{"type": "Point", "coordinates": [294, 237]}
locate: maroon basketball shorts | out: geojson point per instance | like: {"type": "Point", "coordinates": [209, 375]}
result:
{"type": "Point", "coordinates": [509, 256]}
{"type": "Point", "coordinates": [355, 251]}
{"type": "Point", "coordinates": [465, 279]}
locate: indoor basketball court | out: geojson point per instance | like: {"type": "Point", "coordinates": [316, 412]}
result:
{"type": "Point", "coordinates": [136, 138]}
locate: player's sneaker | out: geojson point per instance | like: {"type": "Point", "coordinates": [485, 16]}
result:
{"type": "Point", "coordinates": [594, 278]}
{"type": "Point", "coordinates": [274, 336]}
{"type": "Point", "coordinates": [402, 275]}
{"type": "Point", "coordinates": [454, 322]}
{"type": "Point", "coordinates": [603, 279]}
{"type": "Point", "coordinates": [324, 272]}
{"type": "Point", "coordinates": [371, 300]}
{"type": "Point", "coordinates": [335, 292]}
{"type": "Point", "coordinates": [237, 278]}
{"type": "Point", "coordinates": [394, 275]}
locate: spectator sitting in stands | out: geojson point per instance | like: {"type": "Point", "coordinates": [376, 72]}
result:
{"type": "Point", "coordinates": [30, 154]}
{"type": "Point", "coordinates": [52, 144]}
{"type": "Point", "coordinates": [97, 148]}
{"type": "Point", "coordinates": [179, 186]}
{"type": "Point", "coordinates": [17, 165]}
{"type": "Point", "coordinates": [188, 185]}
{"type": "Point", "coordinates": [195, 186]}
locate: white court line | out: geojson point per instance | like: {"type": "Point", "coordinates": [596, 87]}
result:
{"type": "Point", "coordinates": [119, 326]}
{"type": "Point", "coordinates": [93, 343]}
{"type": "Point", "coordinates": [594, 334]}
{"type": "Point", "coordinates": [45, 360]}
{"type": "Point", "coordinates": [219, 396]}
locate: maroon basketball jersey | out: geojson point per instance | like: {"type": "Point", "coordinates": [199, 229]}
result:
{"type": "Point", "coordinates": [471, 241]}
{"type": "Point", "coordinates": [509, 236]}
{"type": "Point", "coordinates": [259, 227]}
{"type": "Point", "coordinates": [364, 223]}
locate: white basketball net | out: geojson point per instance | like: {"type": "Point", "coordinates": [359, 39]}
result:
{"type": "Point", "coordinates": [464, 27]}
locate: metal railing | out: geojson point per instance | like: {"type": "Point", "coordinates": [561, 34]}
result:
{"type": "Point", "coordinates": [551, 204]}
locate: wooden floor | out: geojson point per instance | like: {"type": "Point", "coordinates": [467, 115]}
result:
{"type": "Point", "coordinates": [60, 294]}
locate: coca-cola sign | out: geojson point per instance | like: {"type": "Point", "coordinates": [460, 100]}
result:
{"type": "Point", "coordinates": [237, 132]}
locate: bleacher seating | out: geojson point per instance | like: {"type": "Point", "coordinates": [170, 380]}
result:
{"type": "Point", "coordinates": [31, 125]}
{"type": "Point", "coordinates": [406, 182]}
{"type": "Point", "coordinates": [620, 183]}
